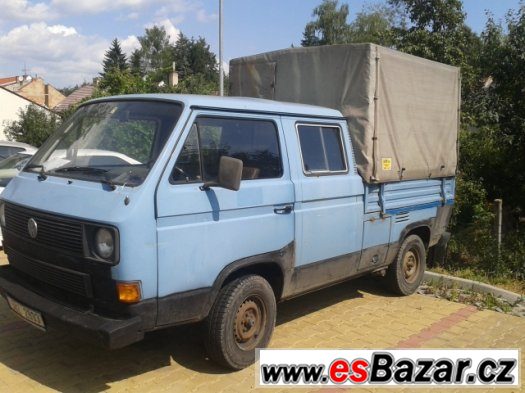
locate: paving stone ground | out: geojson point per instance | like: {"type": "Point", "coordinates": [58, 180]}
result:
{"type": "Point", "coordinates": [356, 314]}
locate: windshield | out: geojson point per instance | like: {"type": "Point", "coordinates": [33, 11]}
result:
{"type": "Point", "coordinates": [114, 142]}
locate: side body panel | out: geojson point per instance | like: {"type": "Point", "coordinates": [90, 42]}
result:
{"type": "Point", "coordinates": [408, 205]}
{"type": "Point", "coordinates": [328, 216]}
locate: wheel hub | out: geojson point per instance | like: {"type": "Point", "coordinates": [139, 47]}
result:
{"type": "Point", "coordinates": [410, 266]}
{"type": "Point", "coordinates": [248, 322]}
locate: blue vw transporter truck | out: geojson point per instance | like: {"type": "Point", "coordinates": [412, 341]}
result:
{"type": "Point", "coordinates": [147, 211]}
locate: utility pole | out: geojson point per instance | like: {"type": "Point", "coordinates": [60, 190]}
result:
{"type": "Point", "coordinates": [221, 71]}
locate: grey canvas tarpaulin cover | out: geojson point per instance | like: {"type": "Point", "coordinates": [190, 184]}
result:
{"type": "Point", "coordinates": [402, 110]}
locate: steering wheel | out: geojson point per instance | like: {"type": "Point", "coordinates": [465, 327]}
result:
{"type": "Point", "coordinates": [183, 173]}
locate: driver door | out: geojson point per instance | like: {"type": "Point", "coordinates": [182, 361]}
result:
{"type": "Point", "coordinates": [201, 232]}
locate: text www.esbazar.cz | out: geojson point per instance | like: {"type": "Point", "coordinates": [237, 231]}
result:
{"type": "Point", "coordinates": [384, 369]}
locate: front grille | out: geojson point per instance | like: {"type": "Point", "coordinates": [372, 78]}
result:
{"type": "Point", "coordinates": [56, 276]}
{"type": "Point", "coordinates": [53, 231]}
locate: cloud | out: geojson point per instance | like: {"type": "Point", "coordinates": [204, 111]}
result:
{"type": "Point", "coordinates": [181, 7]}
{"type": "Point", "coordinates": [23, 10]}
{"type": "Point", "coordinates": [226, 67]}
{"type": "Point", "coordinates": [129, 44]}
{"type": "Point", "coordinates": [57, 53]}
{"type": "Point", "coordinates": [60, 54]}
{"type": "Point", "coordinates": [33, 11]}
{"type": "Point", "coordinates": [203, 16]}
{"type": "Point", "coordinates": [101, 6]}
{"type": "Point", "coordinates": [172, 31]}
{"type": "Point", "coordinates": [129, 16]}
{"type": "Point", "coordinates": [170, 28]}
{"type": "Point", "coordinates": [62, 30]}
{"type": "Point", "coordinates": [177, 7]}
{"type": "Point", "coordinates": [97, 6]}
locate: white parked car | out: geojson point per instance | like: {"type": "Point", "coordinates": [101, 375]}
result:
{"type": "Point", "coordinates": [8, 148]}
{"type": "Point", "coordinates": [10, 167]}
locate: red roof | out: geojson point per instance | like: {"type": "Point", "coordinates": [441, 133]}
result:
{"type": "Point", "coordinates": [75, 97]}
{"type": "Point", "coordinates": [8, 81]}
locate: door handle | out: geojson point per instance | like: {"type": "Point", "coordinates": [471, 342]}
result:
{"type": "Point", "coordinates": [283, 210]}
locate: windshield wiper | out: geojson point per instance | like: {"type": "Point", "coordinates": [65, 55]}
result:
{"type": "Point", "coordinates": [91, 170]}
{"type": "Point", "coordinates": [87, 169]}
{"type": "Point", "coordinates": [42, 175]}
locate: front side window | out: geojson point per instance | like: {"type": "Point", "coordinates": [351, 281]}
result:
{"type": "Point", "coordinates": [321, 149]}
{"type": "Point", "coordinates": [112, 141]}
{"type": "Point", "coordinates": [254, 142]}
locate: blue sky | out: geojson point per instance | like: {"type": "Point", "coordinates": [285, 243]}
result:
{"type": "Point", "coordinates": [64, 40]}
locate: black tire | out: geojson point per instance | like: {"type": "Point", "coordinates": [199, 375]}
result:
{"type": "Point", "coordinates": [405, 274]}
{"type": "Point", "coordinates": [241, 319]}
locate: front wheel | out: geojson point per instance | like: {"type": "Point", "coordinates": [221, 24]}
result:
{"type": "Point", "coordinates": [241, 319]}
{"type": "Point", "coordinates": [406, 272]}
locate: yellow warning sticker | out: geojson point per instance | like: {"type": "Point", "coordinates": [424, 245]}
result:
{"type": "Point", "coordinates": [387, 164]}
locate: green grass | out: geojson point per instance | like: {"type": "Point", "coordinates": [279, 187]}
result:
{"type": "Point", "coordinates": [510, 284]}
{"type": "Point", "coordinates": [480, 300]}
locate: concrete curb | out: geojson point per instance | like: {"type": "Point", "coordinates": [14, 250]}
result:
{"type": "Point", "coordinates": [470, 285]}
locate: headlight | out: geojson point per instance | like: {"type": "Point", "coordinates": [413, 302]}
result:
{"type": "Point", "coordinates": [104, 243]}
{"type": "Point", "coordinates": [2, 214]}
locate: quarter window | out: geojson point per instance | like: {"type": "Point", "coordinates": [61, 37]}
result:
{"type": "Point", "coordinates": [321, 149]}
{"type": "Point", "coordinates": [255, 142]}
{"type": "Point", "coordinates": [188, 166]}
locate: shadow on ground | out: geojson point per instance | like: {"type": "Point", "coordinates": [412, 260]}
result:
{"type": "Point", "coordinates": [61, 362]}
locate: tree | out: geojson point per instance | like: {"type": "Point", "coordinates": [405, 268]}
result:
{"type": "Point", "coordinates": [68, 90]}
{"type": "Point", "coordinates": [194, 57]}
{"type": "Point", "coordinates": [149, 66]}
{"type": "Point", "coordinates": [34, 126]}
{"type": "Point", "coordinates": [499, 111]}
{"type": "Point", "coordinates": [196, 84]}
{"type": "Point", "coordinates": [437, 31]}
{"type": "Point", "coordinates": [156, 54]}
{"type": "Point", "coordinates": [135, 63]}
{"type": "Point", "coordinates": [114, 59]}
{"type": "Point", "coordinates": [117, 82]}
{"type": "Point", "coordinates": [329, 27]}
{"type": "Point", "coordinates": [374, 25]}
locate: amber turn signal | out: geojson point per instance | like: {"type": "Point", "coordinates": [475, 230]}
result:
{"type": "Point", "coordinates": [128, 292]}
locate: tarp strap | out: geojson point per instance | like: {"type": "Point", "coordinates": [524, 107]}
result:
{"type": "Point", "coordinates": [376, 104]}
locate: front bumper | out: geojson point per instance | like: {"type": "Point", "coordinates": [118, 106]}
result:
{"type": "Point", "coordinates": [111, 332]}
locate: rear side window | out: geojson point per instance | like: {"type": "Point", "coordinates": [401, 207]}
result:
{"type": "Point", "coordinates": [254, 142]}
{"type": "Point", "coordinates": [321, 149]}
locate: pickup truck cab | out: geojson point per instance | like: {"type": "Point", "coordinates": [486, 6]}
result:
{"type": "Point", "coordinates": [147, 211]}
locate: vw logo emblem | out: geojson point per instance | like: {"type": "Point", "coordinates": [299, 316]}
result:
{"type": "Point", "coordinates": [32, 228]}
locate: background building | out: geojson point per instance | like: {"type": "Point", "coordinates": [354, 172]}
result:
{"type": "Point", "coordinates": [11, 103]}
{"type": "Point", "coordinates": [34, 89]}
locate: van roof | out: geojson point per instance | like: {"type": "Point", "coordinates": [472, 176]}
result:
{"type": "Point", "coordinates": [234, 104]}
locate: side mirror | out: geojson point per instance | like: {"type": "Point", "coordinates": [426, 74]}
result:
{"type": "Point", "coordinates": [230, 174]}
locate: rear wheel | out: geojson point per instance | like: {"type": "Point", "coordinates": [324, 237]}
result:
{"type": "Point", "coordinates": [406, 272]}
{"type": "Point", "coordinates": [242, 319]}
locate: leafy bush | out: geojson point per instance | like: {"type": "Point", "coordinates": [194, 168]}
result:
{"type": "Point", "coordinates": [34, 126]}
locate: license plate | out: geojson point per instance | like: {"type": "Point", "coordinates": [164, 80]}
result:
{"type": "Point", "coordinates": [28, 314]}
